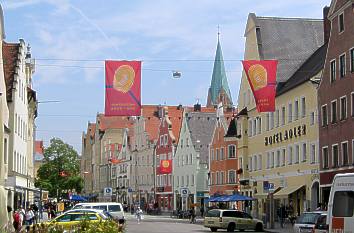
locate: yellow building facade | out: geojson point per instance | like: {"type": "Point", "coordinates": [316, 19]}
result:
{"type": "Point", "coordinates": [278, 151]}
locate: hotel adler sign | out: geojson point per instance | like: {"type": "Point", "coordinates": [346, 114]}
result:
{"type": "Point", "coordinates": [295, 132]}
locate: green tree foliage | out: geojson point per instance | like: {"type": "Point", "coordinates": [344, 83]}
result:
{"type": "Point", "coordinates": [60, 170]}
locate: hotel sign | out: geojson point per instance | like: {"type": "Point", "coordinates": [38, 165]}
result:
{"type": "Point", "coordinates": [286, 135]}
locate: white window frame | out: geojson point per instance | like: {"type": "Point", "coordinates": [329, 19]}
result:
{"type": "Point", "coordinates": [259, 162]}
{"type": "Point", "coordinates": [332, 79]}
{"type": "Point", "coordinates": [339, 27]}
{"type": "Point", "coordinates": [352, 151]}
{"type": "Point", "coordinates": [332, 157]}
{"type": "Point", "coordinates": [277, 118]}
{"type": "Point", "coordinates": [296, 109]}
{"type": "Point", "coordinates": [278, 158]}
{"type": "Point", "coordinates": [340, 65]}
{"type": "Point", "coordinates": [336, 111]}
{"type": "Point", "coordinates": [340, 108]}
{"type": "Point", "coordinates": [290, 112]}
{"type": "Point", "coordinates": [312, 118]}
{"type": "Point", "coordinates": [228, 151]}
{"type": "Point", "coordinates": [290, 154]}
{"type": "Point", "coordinates": [297, 153]}
{"type": "Point", "coordinates": [283, 156]}
{"type": "Point", "coordinates": [352, 103]}
{"type": "Point", "coordinates": [304, 152]}
{"type": "Point", "coordinates": [303, 106]}
{"type": "Point", "coordinates": [351, 59]}
{"type": "Point", "coordinates": [323, 157]}
{"type": "Point", "coordinates": [313, 153]}
{"type": "Point", "coordinates": [322, 120]}
{"type": "Point", "coordinates": [342, 154]}
{"type": "Point", "coordinates": [228, 177]}
{"type": "Point", "coordinates": [283, 113]}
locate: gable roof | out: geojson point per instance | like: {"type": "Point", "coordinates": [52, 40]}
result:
{"type": "Point", "coordinates": [114, 122]}
{"type": "Point", "coordinates": [10, 53]}
{"type": "Point", "coordinates": [174, 116]}
{"type": "Point", "coordinates": [291, 41]}
{"type": "Point", "coordinates": [201, 125]}
{"type": "Point", "coordinates": [312, 66]}
{"type": "Point", "coordinates": [152, 121]}
{"type": "Point", "coordinates": [232, 129]}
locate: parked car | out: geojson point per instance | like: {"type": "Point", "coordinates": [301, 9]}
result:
{"type": "Point", "coordinates": [341, 204]}
{"type": "Point", "coordinates": [321, 226]}
{"type": "Point", "coordinates": [71, 218]}
{"type": "Point", "coordinates": [231, 220]}
{"type": "Point", "coordinates": [306, 222]}
{"type": "Point", "coordinates": [115, 209]}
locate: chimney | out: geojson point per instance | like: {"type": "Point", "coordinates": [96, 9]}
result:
{"type": "Point", "coordinates": [326, 25]}
{"type": "Point", "coordinates": [197, 107]}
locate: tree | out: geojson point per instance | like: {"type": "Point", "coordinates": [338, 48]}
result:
{"type": "Point", "coordinates": [60, 170]}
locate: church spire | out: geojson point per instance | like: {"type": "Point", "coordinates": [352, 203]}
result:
{"type": "Point", "coordinates": [219, 88]}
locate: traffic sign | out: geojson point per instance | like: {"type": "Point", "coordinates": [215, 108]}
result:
{"type": "Point", "coordinates": [107, 191]}
{"type": "Point", "coordinates": [184, 192]}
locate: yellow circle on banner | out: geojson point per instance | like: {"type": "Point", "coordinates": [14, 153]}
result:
{"type": "Point", "coordinates": [124, 78]}
{"type": "Point", "coordinates": [258, 76]}
{"type": "Point", "coordinates": [165, 164]}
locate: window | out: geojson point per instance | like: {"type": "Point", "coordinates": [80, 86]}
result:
{"type": "Point", "coordinates": [296, 109]}
{"type": "Point", "coordinates": [249, 128]}
{"type": "Point", "coordinates": [232, 177]}
{"type": "Point", "coordinates": [342, 65]}
{"type": "Point", "coordinates": [192, 179]}
{"type": "Point", "coordinates": [222, 153]}
{"type": "Point", "coordinates": [334, 111]}
{"type": "Point", "coordinates": [352, 60]}
{"type": "Point", "coordinates": [240, 164]}
{"type": "Point", "coordinates": [313, 153]}
{"type": "Point", "coordinates": [343, 107]}
{"type": "Point", "coordinates": [250, 163]}
{"type": "Point", "coordinates": [191, 158]}
{"type": "Point", "coordinates": [277, 161]}
{"type": "Point", "coordinates": [254, 127]}
{"type": "Point", "coordinates": [297, 153]}
{"type": "Point", "coordinates": [259, 162]}
{"type": "Point", "coordinates": [304, 155]}
{"type": "Point", "coordinates": [324, 115]}
{"type": "Point", "coordinates": [255, 165]}
{"type": "Point", "coordinates": [290, 113]}
{"type": "Point", "coordinates": [325, 157]}
{"type": "Point", "coordinates": [187, 180]}
{"type": "Point", "coordinates": [283, 115]}
{"type": "Point", "coordinates": [212, 154]}
{"type": "Point", "coordinates": [341, 22]}
{"type": "Point", "coordinates": [272, 160]}
{"type": "Point", "coordinates": [352, 104]}
{"type": "Point", "coordinates": [267, 121]}
{"type": "Point", "coordinates": [333, 71]}
{"type": "Point", "coordinates": [268, 160]}
{"type": "Point", "coordinates": [343, 204]}
{"type": "Point", "coordinates": [335, 155]}
{"type": "Point", "coordinates": [344, 153]}
{"type": "Point", "coordinates": [277, 118]}
{"type": "Point", "coordinates": [312, 118]}
{"type": "Point", "coordinates": [283, 157]}
{"type": "Point", "coordinates": [290, 155]}
{"type": "Point", "coordinates": [217, 154]}
{"type": "Point", "coordinates": [222, 181]}
{"type": "Point", "coordinates": [232, 151]}
{"type": "Point", "coordinates": [271, 120]}
{"type": "Point", "coordinates": [64, 218]}
{"type": "Point", "coordinates": [5, 151]}
{"type": "Point", "coordinates": [353, 151]}
{"type": "Point", "coordinates": [259, 125]}
{"type": "Point", "coordinates": [114, 208]}
{"type": "Point", "coordinates": [303, 107]}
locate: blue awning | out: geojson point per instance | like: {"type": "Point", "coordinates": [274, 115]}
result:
{"type": "Point", "coordinates": [230, 198]}
{"type": "Point", "coordinates": [77, 198]}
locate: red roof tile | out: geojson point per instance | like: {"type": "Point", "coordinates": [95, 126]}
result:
{"type": "Point", "coordinates": [114, 122]}
{"type": "Point", "coordinates": [10, 56]}
{"type": "Point", "coordinates": [152, 121]}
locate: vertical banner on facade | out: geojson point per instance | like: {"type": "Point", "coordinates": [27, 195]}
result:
{"type": "Point", "coordinates": [165, 166]}
{"type": "Point", "coordinates": [123, 88]}
{"type": "Point", "coordinates": [261, 76]}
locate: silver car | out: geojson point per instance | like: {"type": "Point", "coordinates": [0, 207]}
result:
{"type": "Point", "coordinates": [306, 222]}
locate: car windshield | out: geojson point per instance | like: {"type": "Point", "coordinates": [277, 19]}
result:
{"type": "Point", "coordinates": [308, 218]}
{"type": "Point", "coordinates": [213, 213]}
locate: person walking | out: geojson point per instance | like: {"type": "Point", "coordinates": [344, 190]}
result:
{"type": "Point", "coordinates": [17, 221]}
{"type": "Point", "coordinates": [192, 215]}
{"type": "Point", "coordinates": [29, 215]}
{"type": "Point", "coordinates": [282, 215]}
{"type": "Point", "coordinates": [202, 211]}
{"type": "Point", "coordinates": [138, 214]}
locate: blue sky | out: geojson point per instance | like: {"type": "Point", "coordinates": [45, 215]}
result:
{"type": "Point", "coordinates": [166, 35]}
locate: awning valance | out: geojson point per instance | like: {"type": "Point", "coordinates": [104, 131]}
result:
{"type": "Point", "coordinates": [285, 192]}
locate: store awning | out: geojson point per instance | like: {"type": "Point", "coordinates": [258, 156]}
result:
{"type": "Point", "coordinates": [260, 195]}
{"type": "Point", "coordinates": [285, 192]}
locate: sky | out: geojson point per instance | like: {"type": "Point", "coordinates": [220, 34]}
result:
{"type": "Point", "coordinates": [71, 39]}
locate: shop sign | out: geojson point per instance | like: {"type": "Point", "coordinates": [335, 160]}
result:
{"type": "Point", "coordinates": [286, 135]}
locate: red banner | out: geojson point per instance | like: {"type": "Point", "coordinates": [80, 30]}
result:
{"type": "Point", "coordinates": [165, 166]}
{"type": "Point", "coordinates": [123, 88]}
{"type": "Point", "coordinates": [261, 76]}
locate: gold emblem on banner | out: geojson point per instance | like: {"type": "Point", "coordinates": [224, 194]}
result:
{"type": "Point", "coordinates": [165, 164]}
{"type": "Point", "coordinates": [124, 78]}
{"type": "Point", "coordinates": [258, 76]}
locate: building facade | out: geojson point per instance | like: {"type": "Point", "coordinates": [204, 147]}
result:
{"type": "Point", "coordinates": [191, 160]}
{"type": "Point", "coordinates": [169, 130]}
{"type": "Point", "coordinates": [336, 96]}
{"type": "Point", "coordinates": [275, 148]}
{"type": "Point", "coordinates": [223, 164]}
{"type": "Point", "coordinates": [22, 104]}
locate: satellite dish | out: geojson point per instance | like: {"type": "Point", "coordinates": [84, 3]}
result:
{"type": "Point", "coordinates": [176, 74]}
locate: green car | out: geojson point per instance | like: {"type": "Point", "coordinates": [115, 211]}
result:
{"type": "Point", "coordinates": [231, 220]}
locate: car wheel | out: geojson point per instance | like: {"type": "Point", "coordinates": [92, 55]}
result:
{"type": "Point", "coordinates": [231, 227]}
{"type": "Point", "coordinates": [213, 229]}
{"type": "Point", "coordinates": [259, 227]}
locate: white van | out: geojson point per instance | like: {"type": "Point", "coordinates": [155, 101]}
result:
{"type": "Point", "coordinates": [114, 208]}
{"type": "Point", "coordinates": [341, 204]}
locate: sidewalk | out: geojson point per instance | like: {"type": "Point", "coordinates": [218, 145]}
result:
{"type": "Point", "coordinates": [277, 229]}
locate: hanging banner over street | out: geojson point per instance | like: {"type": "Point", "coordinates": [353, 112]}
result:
{"type": "Point", "coordinates": [261, 76]}
{"type": "Point", "coordinates": [123, 88]}
{"type": "Point", "coordinates": [165, 166]}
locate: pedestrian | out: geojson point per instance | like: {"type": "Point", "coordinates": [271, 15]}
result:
{"type": "Point", "coordinates": [29, 215]}
{"type": "Point", "coordinates": [17, 221]}
{"type": "Point", "coordinates": [192, 215]}
{"type": "Point", "coordinates": [139, 214]}
{"type": "Point", "coordinates": [202, 211]}
{"type": "Point", "coordinates": [281, 214]}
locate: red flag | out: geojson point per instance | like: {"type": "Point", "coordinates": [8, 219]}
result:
{"type": "Point", "coordinates": [123, 88]}
{"type": "Point", "coordinates": [165, 166]}
{"type": "Point", "coordinates": [261, 76]}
